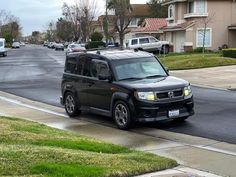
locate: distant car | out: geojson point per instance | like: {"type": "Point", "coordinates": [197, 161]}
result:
{"type": "Point", "coordinates": [51, 45]}
{"type": "Point", "coordinates": [3, 50]}
{"type": "Point", "coordinates": [45, 44]}
{"type": "Point", "coordinates": [22, 44]}
{"type": "Point", "coordinates": [149, 44]}
{"type": "Point", "coordinates": [75, 48]}
{"type": "Point", "coordinates": [16, 45]}
{"type": "Point", "coordinates": [59, 46]}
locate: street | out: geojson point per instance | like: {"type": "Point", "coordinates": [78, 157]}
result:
{"type": "Point", "coordinates": [35, 72]}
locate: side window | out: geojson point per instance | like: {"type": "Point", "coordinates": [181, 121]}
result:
{"type": "Point", "coordinates": [70, 65]}
{"type": "Point", "coordinates": [153, 40]}
{"type": "Point", "coordinates": [99, 68]}
{"type": "Point", "coordinates": [83, 65]}
{"type": "Point", "coordinates": [143, 41]}
{"type": "Point", "coordinates": [134, 42]}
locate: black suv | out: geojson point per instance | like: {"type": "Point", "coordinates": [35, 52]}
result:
{"type": "Point", "coordinates": [126, 85]}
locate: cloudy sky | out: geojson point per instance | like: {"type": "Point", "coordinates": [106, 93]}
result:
{"type": "Point", "coordinates": [35, 14]}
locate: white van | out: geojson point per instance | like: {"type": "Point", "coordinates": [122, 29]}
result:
{"type": "Point", "coordinates": [3, 50]}
{"type": "Point", "coordinates": [149, 44]}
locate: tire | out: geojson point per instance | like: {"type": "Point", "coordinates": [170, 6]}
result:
{"type": "Point", "coordinates": [165, 49]}
{"type": "Point", "coordinates": [71, 105]}
{"type": "Point", "coordinates": [180, 119]}
{"type": "Point", "coordinates": [5, 54]}
{"type": "Point", "coordinates": [121, 115]}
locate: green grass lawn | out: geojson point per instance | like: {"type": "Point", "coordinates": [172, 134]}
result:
{"type": "Point", "coordinates": [194, 61]}
{"type": "Point", "coordinates": [32, 149]}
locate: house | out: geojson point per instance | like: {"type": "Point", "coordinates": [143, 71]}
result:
{"type": "Point", "coordinates": [150, 27]}
{"type": "Point", "coordinates": [188, 20]}
{"type": "Point", "coordinates": [139, 12]}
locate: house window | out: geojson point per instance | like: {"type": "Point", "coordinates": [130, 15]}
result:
{"type": "Point", "coordinates": [190, 8]}
{"type": "Point", "coordinates": [208, 37]}
{"type": "Point", "coordinates": [200, 6]}
{"type": "Point", "coordinates": [171, 11]}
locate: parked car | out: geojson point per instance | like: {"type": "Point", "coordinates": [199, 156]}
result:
{"type": "Point", "coordinates": [3, 50]}
{"type": "Point", "coordinates": [149, 44]}
{"type": "Point", "coordinates": [75, 48]}
{"type": "Point", "coordinates": [51, 45]}
{"type": "Point", "coordinates": [45, 43]}
{"type": "Point", "coordinates": [59, 46]}
{"type": "Point", "coordinates": [22, 44]}
{"type": "Point", "coordinates": [15, 45]}
{"type": "Point", "coordinates": [130, 86]}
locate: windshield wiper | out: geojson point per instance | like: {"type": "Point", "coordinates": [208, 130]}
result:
{"type": "Point", "coordinates": [153, 76]}
{"type": "Point", "coordinates": [131, 78]}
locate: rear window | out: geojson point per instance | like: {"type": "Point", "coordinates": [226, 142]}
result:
{"type": "Point", "coordinates": [70, 65]}
{"type": "Point", "coordinates": [143, 41]}
{"type": "Point", "coordinates": [1, 43]}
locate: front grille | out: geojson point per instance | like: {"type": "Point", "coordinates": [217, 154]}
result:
{"type": "Point", "coordinates": [169, 94]}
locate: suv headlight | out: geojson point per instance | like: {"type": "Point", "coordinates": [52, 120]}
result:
{"type": "Point", "coordinates": [187, 91]}
{"type": "Point", "coordinates": [149, 96]}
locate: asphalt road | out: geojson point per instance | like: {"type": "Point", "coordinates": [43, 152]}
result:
{"type": "Point", "coordinates": [35, 72]}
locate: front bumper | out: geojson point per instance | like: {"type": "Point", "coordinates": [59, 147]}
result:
{"type": "Point", "coordinates": [151, 112]}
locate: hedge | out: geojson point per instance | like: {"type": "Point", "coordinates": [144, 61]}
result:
{"type": "Point", "coordinates": [229, 53]}
{"type": "Point", "coordinates": [95, 44]}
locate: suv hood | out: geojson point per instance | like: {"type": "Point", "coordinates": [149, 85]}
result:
{"type": "Point", "coordinates": [155, 84]}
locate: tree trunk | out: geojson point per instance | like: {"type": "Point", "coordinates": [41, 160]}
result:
{"type": "Point", "coordinates": [121, 35]}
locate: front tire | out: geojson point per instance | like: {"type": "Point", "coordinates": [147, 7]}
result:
{"type": "Point", "coordinates": [5, 54]}
{"type": "Point", "coordinates": [121, 115]}
{"type": "Point", "coordinates": [71, 105]}
{"type": "Point", "coordinates": [165, 49]}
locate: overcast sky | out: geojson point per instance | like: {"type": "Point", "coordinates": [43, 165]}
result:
{"type": "Point", "coordinates": [35, 14]}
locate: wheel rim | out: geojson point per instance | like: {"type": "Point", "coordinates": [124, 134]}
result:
{"type": "Point", "coordinates": [70, 104]}
{"type": "Point", "coordinates": [121, 114]}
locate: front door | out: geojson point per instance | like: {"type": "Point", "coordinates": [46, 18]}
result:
{"type": "Point", "coordinates": [179, 41]}
{"type": "Point", "coordinates": [99, 92]}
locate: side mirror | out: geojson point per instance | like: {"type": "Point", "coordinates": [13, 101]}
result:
{"type": "Point", "coordinates": [104, 78]}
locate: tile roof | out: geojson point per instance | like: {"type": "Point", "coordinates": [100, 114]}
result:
{"type": "Point", "coordinates": [152, 25]}
{"type": "Point", "coordinates": [179, 27]}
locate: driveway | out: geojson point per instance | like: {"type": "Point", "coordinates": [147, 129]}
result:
{"type": "Point", "coordinates": [219, 77]}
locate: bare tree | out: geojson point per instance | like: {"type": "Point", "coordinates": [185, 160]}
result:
{"type": "Point", "coordinates": [204, 24]}
{"type": "Point", "coordinates": [51, 31]}
{"type": "Point", "coordinates": [81, 14]}
{"type": "Point", "coordinates": [123, 13]}
{"type": "Point", "coordinates": [9, 26]}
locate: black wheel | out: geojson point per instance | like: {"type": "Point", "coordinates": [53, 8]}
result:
{"type": "Point", "coordinates": [180, 119]}
{"type": "Point", "coordinates": [5, 54]}
{"type": "Point", "coordinates": [71, 105]}
{"type": "Point", "coordinates": [121, 115]}
{"type": "Point", "coordinates": [165, 49]}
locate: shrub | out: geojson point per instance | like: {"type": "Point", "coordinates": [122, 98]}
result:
{"type": "Point", "coordinates": [229, 53]}
{"type": "Point", "coordinates": [95, 44]}
{"type": "Point", "coordinates": [96, 36]}
{"type": "Point", "coordinates": [199, 50]}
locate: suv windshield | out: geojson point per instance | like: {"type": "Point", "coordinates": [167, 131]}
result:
{"type": "Point", "coordinates": [138, 68]}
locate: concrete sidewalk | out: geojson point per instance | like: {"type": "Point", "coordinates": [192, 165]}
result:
{"type": "Point", "coordinates": [218, 77]}
{"type": "Point", "coordinates": [198, 156]}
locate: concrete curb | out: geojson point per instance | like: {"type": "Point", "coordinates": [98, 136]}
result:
{"type": "Point", "coordinates": [180, 171]}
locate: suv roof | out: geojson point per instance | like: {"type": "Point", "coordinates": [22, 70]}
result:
{"type": "Point", "coordinates": [118, 54]}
